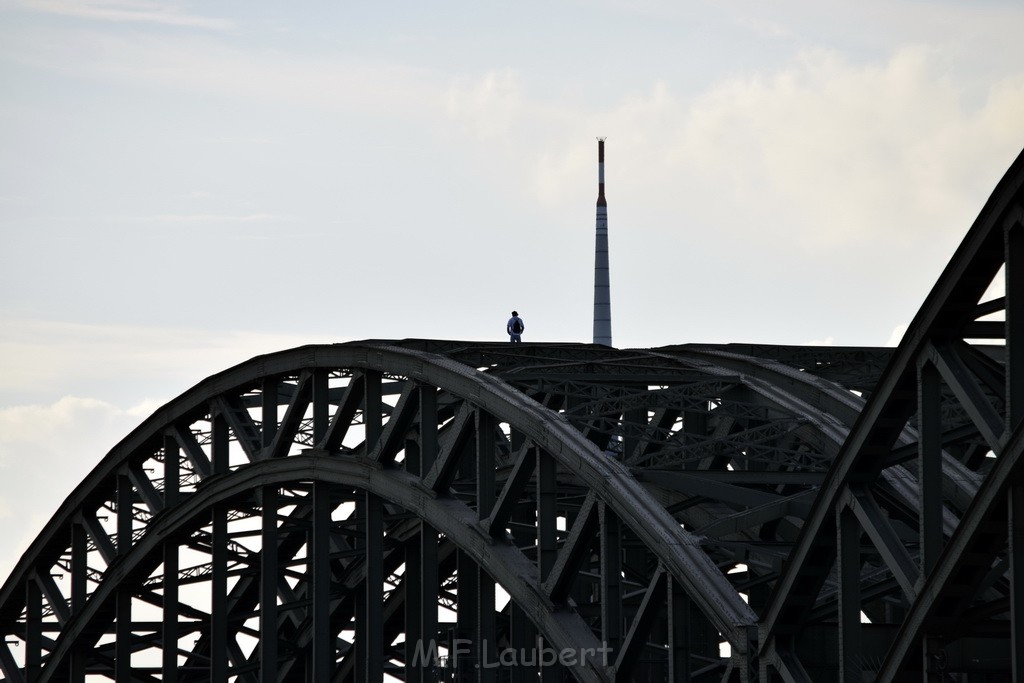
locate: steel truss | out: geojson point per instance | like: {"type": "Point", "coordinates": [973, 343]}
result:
{"type": "Point", "coordinates": [415, 509]}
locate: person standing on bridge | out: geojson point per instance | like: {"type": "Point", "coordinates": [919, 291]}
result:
{"type": "Point", "coordinates": [515, 327]}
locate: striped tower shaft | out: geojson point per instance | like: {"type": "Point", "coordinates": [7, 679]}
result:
{"type": "Point", "coordinates": [602, 289]}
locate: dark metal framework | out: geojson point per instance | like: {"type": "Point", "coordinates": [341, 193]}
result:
{"type": "Point", "coordinates": [428, 510]}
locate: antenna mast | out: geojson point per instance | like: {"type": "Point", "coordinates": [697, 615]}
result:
{"type": "Point", "coordinates": [602, 289]}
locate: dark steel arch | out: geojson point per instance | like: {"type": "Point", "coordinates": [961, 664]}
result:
{"type": "Point", "coordinates": [121, 481]}
{"type": "Point", "coordinates": [455, 521]}
{"type": "Point", "coordinates": [960, 584]}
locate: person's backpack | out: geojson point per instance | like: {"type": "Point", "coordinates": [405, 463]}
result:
{"type": "Point", "coordinates": [517, 326]}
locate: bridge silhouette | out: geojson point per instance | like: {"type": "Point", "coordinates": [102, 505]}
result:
{"type": "Point", "coordinates": [425, 510]}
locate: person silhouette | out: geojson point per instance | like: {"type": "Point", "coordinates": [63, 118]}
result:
{"type": "Point", "coordinates": [515, 327]}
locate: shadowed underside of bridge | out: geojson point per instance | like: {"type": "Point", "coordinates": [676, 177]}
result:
{"type": "Point", "coordinates": [423, 510]}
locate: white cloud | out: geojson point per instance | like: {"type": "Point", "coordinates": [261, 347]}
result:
{"type": "Point", "coordinates": [210, 66]}
{"type": "Point", "coordinates": [135, 11]}
{"type": "Point", "coordinates": [851, 154]}
{"type": "Point", "coordinates": [47, 448]}
{"type": "Point", "coordinates": [493, 105]}
{"type": "Point", "coordinates": [144, 409]}
{"type": "Point", "coordinates": [46, 356]}
{"type": "Point", "coordinates": [176, 219]}
{"type": "Point", "coordinates": [827, 341]}
{"type": "Point", "coordinates": [18, 532]}
{"type": "Point", "coordinates": [827, 170]}
{"type": "Point", "coordinates": [45, 451]}
{"type": "Point", "coordinates": [826, 153]}
{"type": "Point", "coordinates": [897, 335]}
{"type": "Point", "coordinates": [28, 428]}
{"type": "Point", "coordinates": [829, 151]}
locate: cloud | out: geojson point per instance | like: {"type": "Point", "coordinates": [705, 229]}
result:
{"type": "Point", "coordinates": [47, 447]}
{"type": "Point", "coordinates": [493, 106]}
{"type": "Point", "coordinates": [824, 165]}
{"type": "Point", "coordinates": [177, 219]}
{"type": "Point", "coordinates": [39, 357]}
{"type": "Point", "coordinates": [211, 66]}
{"type": "Point", "coordinates": [897, 335]}
{"type": "Point", "coordinates": [833, 152]}
{"type": "Point", "coordinates": [825, 153]}
{"type": "Point", "coordinates": [827, 341]}
{"type": "Point", "coordinates": [134, 11]}
{"type": "Point", "coordinates": [30, 428]}
{"type": "Point", "coordinates": [852, 153]}
{"type": "Point", "coordinates": [45, 451]}
{"type": "Point", "coordinates": [828, 170]}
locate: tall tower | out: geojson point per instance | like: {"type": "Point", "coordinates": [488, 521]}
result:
{"type": "Point", "coordinates": [602, 290]}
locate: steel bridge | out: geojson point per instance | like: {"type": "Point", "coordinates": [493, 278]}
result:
{"type": "Point", "coordinates": [441, 510]}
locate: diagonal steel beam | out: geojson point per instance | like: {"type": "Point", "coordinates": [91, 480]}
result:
{"type": "Point", "coordinates": [397, 428]}
{"type": "Point", "coordinates": [967, 391]}
{"type": "Point", "coordinates": [452, 447]}
{"type": "Point", "coordinates": [284, 434]}
{"type": "Point", "coordinates": [348, 406]}
{"type": "Point", "coordinates": [193, 451]}
{"type": "Point", "coordinates": [640, 628]}
{"type": "Point", "coordinates": [58, 603]}
{"type": "Point", "coordinates": [10, 669]}
{"type": "Point", "coordinates": [246, 432]}
{"type": "Point", "coordinates": [783, 506]}
{"type": "Point", "coordinates": [967, 549]}
{"type": "Point", "coordinates": [523, 469]}
{"type": "Point", "coordinates": [99, 536]}
{"type": "Point", "coordinates": [886, 541]}
{"type": "Point", "coordinates": [575, 548]}
{"type": "Point", "coordinates": [145, 488]}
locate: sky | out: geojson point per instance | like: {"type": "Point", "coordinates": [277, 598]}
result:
{"type": "Point", "coordinates": [184, 185]}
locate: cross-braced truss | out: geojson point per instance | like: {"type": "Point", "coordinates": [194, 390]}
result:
{"type": "Point", "coordinates": [437, 510]}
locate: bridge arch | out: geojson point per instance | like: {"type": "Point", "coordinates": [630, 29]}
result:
{"type": "Point", "coordinates": [421, 424]}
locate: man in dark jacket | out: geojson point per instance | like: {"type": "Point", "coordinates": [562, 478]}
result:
{"type": "Point", "coordinates": [515, 327]}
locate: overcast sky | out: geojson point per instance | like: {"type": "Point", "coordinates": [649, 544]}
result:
{"type": "Point", "coordinates": [184, 185]}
